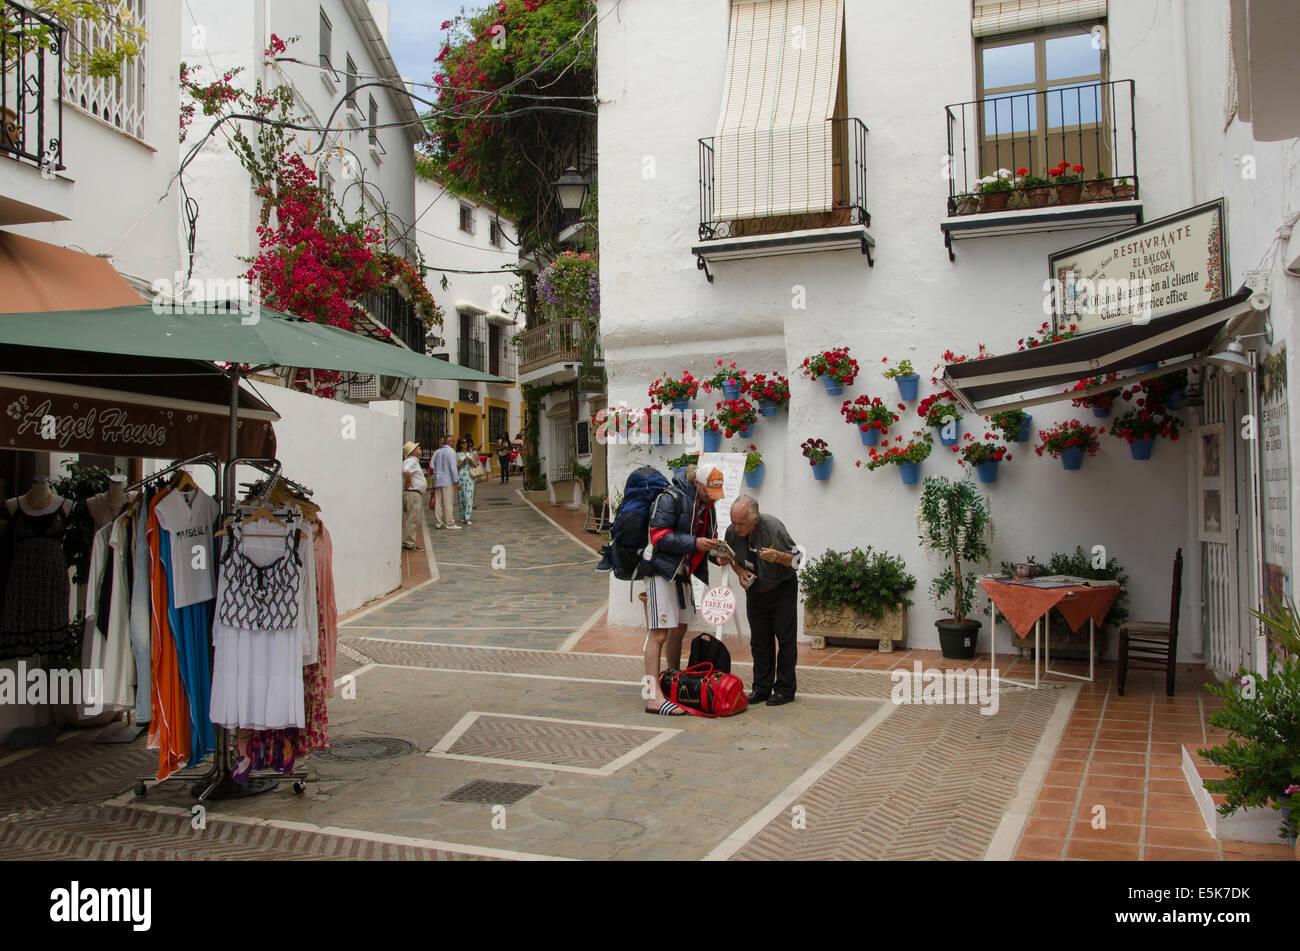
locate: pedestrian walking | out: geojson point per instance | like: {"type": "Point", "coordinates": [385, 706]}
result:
{"type": "Point", "coordinates": [766, 560]}
{"type": "Point", "coordinates": [682, 526]}
{"type": "Point", "coordinates": [466, 460]}
{"type": "Point", "coordinates": [503, 456]}
{"type": "Point", "coordinates": [445, 478]}
{"type": "Point", "coordinates": [413, 486]}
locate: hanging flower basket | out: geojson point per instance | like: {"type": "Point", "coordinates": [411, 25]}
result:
{"type": "Point", "coordinates": [988, 471]}
{"type": "Point", "coordinates": [907, 455]}
{"type": "Point", "coordinates": [729, 380]}
{"type": "Point", "coordinates": [870, 416]}
{"type": "Point", "coordinates": [771, 392]}
{"type": "Point", "coordinates": [835, 368]}
{"type": "Point", "coordinates": [822, 470]}
{"type": "Point", "coordinates": [1068, 441]}
{"type": "Point", "coordinates": [1072, 458]}
{"type": "Point", "coordinates": [906, 378]}
{"type": "Point", "coordinates": [984, 456]}
{"type": "Point", "coordinates": [754, 477]}
{"type": "Point", "coordinates": [943, 416]}
{"type": "Point", "coordinates": [819, 457]}
{"type": "Point", "coordinates": [1014, 425]}
{"type": "Point", "coordinates": [710, 435]}
{"type": "Point", "coordinates": [1141, 448]}
{"type": "Point", "coordinates": [737, 416]}
{"type": "Point", "coordinates": [870, 435]}
{"type": "Point", "coordinates": [678, 393]}
{"type": "Point", "coordinates": [910, 472]}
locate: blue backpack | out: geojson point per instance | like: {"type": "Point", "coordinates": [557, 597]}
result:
{"type": "Point", "coordinates": [631, 530]}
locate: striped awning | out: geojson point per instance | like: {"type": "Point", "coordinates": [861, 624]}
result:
{"type": "Point", "coordinates": [993, 17]}
{"type": "Point", "coordinates": [1038, 375]}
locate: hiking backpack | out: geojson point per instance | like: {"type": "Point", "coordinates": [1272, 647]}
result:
{"type": "Point", "coordinates": [630, 534]}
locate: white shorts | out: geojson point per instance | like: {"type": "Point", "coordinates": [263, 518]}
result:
{"type": "Point", "coordinates": [662, 604]}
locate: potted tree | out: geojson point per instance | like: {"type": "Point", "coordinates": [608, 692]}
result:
{"type": "Point", "coordinates": [858, 595]}
{"type": "Point", "coordinates": [955, 522]}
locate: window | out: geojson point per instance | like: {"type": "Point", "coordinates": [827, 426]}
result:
{"type": "Point", "coordinates": [494, 350]}
{"type": "Point", "coordinates": [351, 80]}
{"type": "Point", "coordinates": [776, 140]}
{"type": "Point", "coordinates": [1042, 101]}
{"type": "Point", "coordinates": [326, 42]}
{"type": "Point", "coordinates": [120, 101]}
{"type": "Point", "coordinates": [498, 422]}
{"type": "Point", "coordinates": [494, 233]}
{"type": "Point", "coordinates": [471, 340]}
{"type": "Point", "coordinates": [430, 427]}
{"type": "Point", "coordinates": [374, 122]}
{"type": "Point", "coordinates": [326, 184]}
{"type": "Point", "coordinates": [467, 218]}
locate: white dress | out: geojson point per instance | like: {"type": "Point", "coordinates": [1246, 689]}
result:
{"type": "Point", "coordinates": [111, 654]}
{"type": "Point", "coordinates": [257, 681]}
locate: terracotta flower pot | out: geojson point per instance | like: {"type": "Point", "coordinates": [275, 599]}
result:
{"type": "Point", "coordinates": [996, 201]}
{"type": "Point", "coordinates": [1068, 194]}
{"type": "Point", "coordinates": [1037, 197]}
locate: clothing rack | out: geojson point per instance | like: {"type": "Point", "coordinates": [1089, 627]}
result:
{"type": "Point", "coordinates": [208, 459]}
{"type": "Point", "coordinates": [217, 782]}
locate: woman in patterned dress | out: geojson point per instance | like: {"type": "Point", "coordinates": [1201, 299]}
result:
{"type": "Point", "coordinates": [465, 460]}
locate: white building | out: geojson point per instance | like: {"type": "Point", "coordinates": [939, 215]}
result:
{"type": "Point", "coordinates": [802, 156]}
{"type": "Point", "coordinates": [476, 250]}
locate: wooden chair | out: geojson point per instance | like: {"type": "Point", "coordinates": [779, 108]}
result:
{"type": "Point", "coordinates": [1154, 644]}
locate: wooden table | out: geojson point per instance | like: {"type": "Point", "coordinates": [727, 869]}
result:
{"type": "Point", "coordinates": [1025, 606]}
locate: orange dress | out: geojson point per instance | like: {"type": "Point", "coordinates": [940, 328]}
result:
{"type": "Point", "coordinates": [169, 730]}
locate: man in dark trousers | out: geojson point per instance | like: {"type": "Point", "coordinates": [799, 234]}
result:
{"type": "Point", "coordinates": [766, 561]}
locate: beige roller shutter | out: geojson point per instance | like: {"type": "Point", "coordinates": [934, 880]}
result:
{"type": "Point", "coordinates": [772, 148]}
{"type": "Point", "coordinates": [992, 17]}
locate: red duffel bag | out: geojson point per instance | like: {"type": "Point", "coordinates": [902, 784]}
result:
{"type": "Point", "coordinates": [703, 691]}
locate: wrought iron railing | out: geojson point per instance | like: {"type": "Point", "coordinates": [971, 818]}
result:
{"type": "Point", "coordinates": [771, 182]}
{"type": "Point", "coordinates": [558, 341]}
{"type": "Point", "coordinates": [397, 313]}
{"type": "Point", "coordinates": [470, 353]}
{"type": "Point", "coordinates": [1090, 125]}
{"type": "Point", "coordinates": [503, 363]}
{"type": "Point", "coordinates": [26, 131]}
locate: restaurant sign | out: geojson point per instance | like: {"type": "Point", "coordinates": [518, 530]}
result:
{"type": "Point", "coordinates": [1157, 268]}
{"type": "Point", "coordinates": [78, 424]}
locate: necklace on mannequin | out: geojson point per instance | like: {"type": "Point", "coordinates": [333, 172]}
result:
{"type": "Point", "coordinates": [49, 497]}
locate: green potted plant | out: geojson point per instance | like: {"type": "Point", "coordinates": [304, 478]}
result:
{"type": "Point", "coordinates": [940, 413]}
{"type": "Point", "coordinates": [835, 368]}
{"type": "Point", "coordinates": [667, 391]}
{"type": "Point", "coordinates": [1263, 716]}
{"type": "Point", "coordinates": [1012, 424]}
{"type": "Point", "coordinates": [728, 380]}
{"type": "Point", "coordinates": [679, 464]}
{"type": "Point", "coordinates": [858, 595]}
{"type": "Point", "coordinates": [870, 416]}
{"type": "Point", "coordinates": [1068, 441]}
{"type": "Point", "coordinates": [983, 457]}
{"type": "Point", "coordinates": [754, 467]}
{"type": "Point", "coordinates": [996, 189]}
{"type": "Point", "coordinates": [819, 456]}
{"type": "Point", "coordinates": [907, 455]}
{"type": "Point", "coordinates": [1124, 188]}
{"type": "Point", "coordinates": [582, 474]}
{"type": "Point", "coordinates": [1069, 182]}
{"type": "Point", "coordinates": [955, 522]}
{"type": "Point", "coordinates": [1101, 187]}
{"type": "Point", "coordinates": [1035, 189]}
{"type": "Point", "coordinates": [771, 393]}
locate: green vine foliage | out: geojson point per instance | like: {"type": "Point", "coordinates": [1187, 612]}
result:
{"type": "Point", "coordinates": [79, 484]}
{"type": "Point", "coordinates": [126, 35]}
{"type": "Point", "coordinates": [492, 136]}
{"type": "Point", "coordinates": [870, 582]}
{"type": "Point", "coordinates": [955, 522]}
{"type": "Point", "coordinates": [1260, 758]}
{"type": "Point", "coordinates": [534, 479]}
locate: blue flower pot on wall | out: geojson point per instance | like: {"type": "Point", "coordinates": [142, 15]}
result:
{"type": "Point", "coordinates": [711, 440]}
{"type": "Point", "coordinates": [822, 471]}
{"type": "Point", "coordinates": [1026, 428]}
{"type": "Point", "coordinates": [833, 388]}
{"type": "Point", "coordinates": [1072, 458]}
{"type": "Point", "coordinates": [1102, 413]}
{"type": "Point", "coordinates": [870, 435]}
{"type": "Point", "coordinates": [953, 429]}
{"type": "Point", "coordinates": [747, 432]}
{"type": "Point", "coordinates": [768, 408]}
{"type": "Point", "coordinates": [907, 385]}
{"type": "Point", "coordinates": [680, 405]}
{"type": "Point", "coordinates": [910, 472]}
{"type": "Point", "coordinates": [676, 471]}
{"type": "Point", "coordinates": [755, 479]}
{"type": "Point", "coordinates": [1141, 448]}
{"type": "Point", "coordinates": [988, 471]}
{"type": "Point", "coordinates": [731, 391]}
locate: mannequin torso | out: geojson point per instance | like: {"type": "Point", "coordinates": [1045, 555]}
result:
{"type": "Point", "coordinates": [109, 505]}
{"type": "Point", "coordinates": [39, 500]}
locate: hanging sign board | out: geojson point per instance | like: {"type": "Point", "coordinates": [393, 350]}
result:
{"type": "Point", "coordinates": [1275, 456]}
{"type": "Point", "coordinates": [1157, 268]}
{"type": "Point", "coordinates": [53, 422]}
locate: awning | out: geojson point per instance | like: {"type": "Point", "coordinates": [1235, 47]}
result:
{"type": "Point", "coordinates": [262, 337]}
{"type": "Point", "coordinates": [69, 401]}
{"type": "Point", "coordinates": [37, 276]}
{"type": "Point", "coordinates": [1037, 375]}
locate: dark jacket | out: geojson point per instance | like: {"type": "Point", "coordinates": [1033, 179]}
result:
{"type": "Point", "coordinates": [673, 510]}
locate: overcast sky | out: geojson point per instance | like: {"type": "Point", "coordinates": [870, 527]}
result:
{"type": "Point", "coordinates": [416, 38]}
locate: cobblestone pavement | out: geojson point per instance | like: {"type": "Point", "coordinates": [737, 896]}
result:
{"type": "Point", "coordinates": [464, 671]}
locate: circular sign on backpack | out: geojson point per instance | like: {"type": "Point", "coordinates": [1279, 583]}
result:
{"type": "Point", "coordinates": [718, 605]}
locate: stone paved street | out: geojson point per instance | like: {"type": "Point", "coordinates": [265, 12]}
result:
{"type": "Point", "coordinates": [508, 675]}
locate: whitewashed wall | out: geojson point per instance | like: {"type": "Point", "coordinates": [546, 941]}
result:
{"type": "Point", "coordinates": [659, 313]}
{"type": "Point", "coordinates": [122, 205]}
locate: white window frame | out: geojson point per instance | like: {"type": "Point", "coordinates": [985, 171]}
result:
{"type": "Point", "coordinates": [122, 101]}
{"type": "Point", "coordinates": [468, 212]}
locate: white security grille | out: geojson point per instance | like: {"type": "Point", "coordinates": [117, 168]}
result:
{"type": "Point", "coordinates": [559, 453]}
{"type": "Point", "coordinates": [1219, 574]}
{"type": "Point", "coordinates": [120, 101]}
{"type": "Point", "coordinates": [364, 388]}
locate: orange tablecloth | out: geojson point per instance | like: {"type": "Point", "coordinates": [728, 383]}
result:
{"type": "Point", "coordinates": [1022, 605]}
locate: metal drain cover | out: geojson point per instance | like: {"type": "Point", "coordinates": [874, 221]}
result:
{"type": "Point", "coordinates": [355, 749]}
{"type": "Point", "coordinates": [499, 794]}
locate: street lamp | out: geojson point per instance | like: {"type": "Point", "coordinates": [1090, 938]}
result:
{"type": "Point", "coordinates": [572, 190]}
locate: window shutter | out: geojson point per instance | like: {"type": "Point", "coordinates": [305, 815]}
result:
{"type": "Point", "coordinates": [992, 17]}
{"type": "Point", "coordinates": [773, 140]}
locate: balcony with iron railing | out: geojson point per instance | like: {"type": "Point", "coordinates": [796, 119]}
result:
{"type": "Point", "coordinates": [1042, 160]}
{"type": "Point", "coordinates": [398, 315]}
{"type": "Point", "coordinates": [557, 343]}
{"type": "Point", "coordinates": [783, 191]}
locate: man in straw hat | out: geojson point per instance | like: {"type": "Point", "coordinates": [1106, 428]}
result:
{"type": "Point", "coordinates": [413, 486]}
{"type": "Point", "coordinates": [682, 530]}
